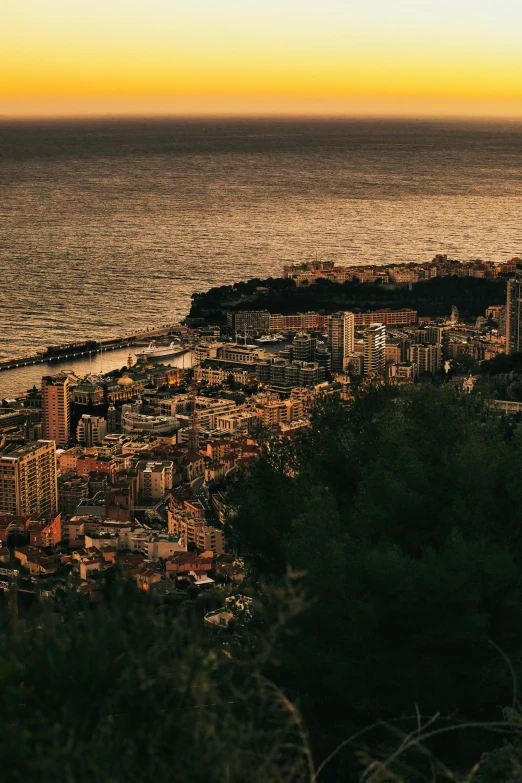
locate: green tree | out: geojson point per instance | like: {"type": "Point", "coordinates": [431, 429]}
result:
{"type": "Point", "coordinates": [402, 510]}
{"type": "Point", "coordinates": [128, 689]}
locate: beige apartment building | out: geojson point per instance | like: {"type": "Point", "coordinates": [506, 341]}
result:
{"type": "Point", "coordinates": [91, 430]}
{"type": "Point", "coordinates": [154, 479]}
{"type": "Point", "coordinates": [427, 358]}
{"type": "Point", "coordinates": [277, 411]}
{"type": "Point", "coordinates": [28, 482]}
{"type": "Point", "coordinates": [193, 530]}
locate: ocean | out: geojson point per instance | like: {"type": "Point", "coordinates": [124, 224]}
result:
{"type": "Point", "coordinates": [108, 226]}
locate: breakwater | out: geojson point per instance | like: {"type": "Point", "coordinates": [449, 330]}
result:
{"type": "Point", "coordinates": [55, 353]}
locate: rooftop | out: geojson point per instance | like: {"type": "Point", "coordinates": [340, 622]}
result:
{"type": "Point", "coordinates": [23, 451]}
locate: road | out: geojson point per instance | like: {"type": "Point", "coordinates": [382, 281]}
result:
{"type": "Point", "coordinates": [197, 485]}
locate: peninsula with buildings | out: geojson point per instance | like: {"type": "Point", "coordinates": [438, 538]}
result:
{"type": "Point", "coordinates": [132, 468]}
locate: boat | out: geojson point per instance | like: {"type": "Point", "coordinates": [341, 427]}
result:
{"type": "Point", "coordinates": [154, 351]}
{"type": "Point", "coordinates": [268, 339]}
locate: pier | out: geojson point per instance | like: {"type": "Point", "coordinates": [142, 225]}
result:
{"type": "Point", "coordinates": [71, 350]}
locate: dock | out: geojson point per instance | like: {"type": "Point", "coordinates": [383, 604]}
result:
{"type": "Point", "coordinates": [55, 353]}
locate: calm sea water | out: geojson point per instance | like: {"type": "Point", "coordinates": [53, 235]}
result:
{"type": "Point", "coordinates": [108, 226]}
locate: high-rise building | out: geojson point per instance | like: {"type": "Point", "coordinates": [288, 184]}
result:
{"type": "Point", "coordinates": [91, 430]}
{"type": "Point", "coordinates": [323, 358]}
{"type": "Point", "coordinates": [341, 328]}
{"type": "Point", "coordinates": [303, 347]}
{"type": "Point", "coordinates": [439, 335]}
{"type": "Point", "coordinates": [427, 358]}
{"type": "Point", "coordinates": [56, 404]}
{"type": "Point", "coordinates": [311, 374]}
{"type": "Point", "coordinates": [421, 337]}
{"type": "Point", "coordinates": [374, 348]}
{"type": "Point", "coordinates": [514, 315]}
{"type": "Point", "coordinates": [405, 345]}
{"type": "Point", "coordinates": [111, 419]}
{"type": "Point", "coordinates": [28, 479]}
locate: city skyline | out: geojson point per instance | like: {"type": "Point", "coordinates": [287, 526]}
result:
{"type": "Point", "coordinates": [199, 58]}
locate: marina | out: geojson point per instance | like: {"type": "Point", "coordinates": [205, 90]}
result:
{"type": "Point", "coordinates": [55, 353]}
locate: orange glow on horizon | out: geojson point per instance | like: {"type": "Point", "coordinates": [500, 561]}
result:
{"type": "Point", "coordinates": [287, 57]}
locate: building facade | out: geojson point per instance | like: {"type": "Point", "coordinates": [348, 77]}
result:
{"type": "Point", "coordinates": [341, 328]}
{"type": "Point", "coordinates": [91, 430]}
{"type": "Point", "coordinates": [194, 531]}
{"type": "Point", "coordinates": [427, 358]}
{"type": "Point", "coordinates": [28, 479]}
{"type": "Point", "coordinates": [514, 315]}
{"type": "Point", "coordinates": [374, 349]}
{"type": "Point", "coordinates": [154, 479]}
{"type": "Point", "coordinates": [303, 347]}
{"type": "Point", "coordinates": [249, 321]}
{"type": "Point", "coordinates": [388, 317]}
{"type": "Point", "coordinates": [56, 406]}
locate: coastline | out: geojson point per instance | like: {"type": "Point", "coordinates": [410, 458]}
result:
{"type": "Point", "coordinates": [14, 383]}
{"type": "Point", "coordinates": [455, 283]}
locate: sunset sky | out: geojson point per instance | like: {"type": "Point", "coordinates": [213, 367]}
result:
{"type": "Point", "coordinates": [449, 57]}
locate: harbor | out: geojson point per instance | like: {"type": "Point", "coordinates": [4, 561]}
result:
{"type": "Point", "coordinates": [110, 354]}
{"type": "Point", "coordinates": [56, 353]}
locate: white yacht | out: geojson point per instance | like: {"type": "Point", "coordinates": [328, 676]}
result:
{"type": "Point", "coordinates": [154, 351]}
{"type": "Point", "coordinates": [267, 338]}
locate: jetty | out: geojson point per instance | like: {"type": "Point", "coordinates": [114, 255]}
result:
{"type": "Point", "coordinates": [55, 353]}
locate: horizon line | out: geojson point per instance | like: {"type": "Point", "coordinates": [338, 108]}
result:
{"type": "Point", "coordinates": [262, 116]}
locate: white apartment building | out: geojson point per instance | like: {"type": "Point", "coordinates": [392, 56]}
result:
{"type": "Point", "coordinates": [374, 348]}
{"type": "Point", "coordinates": [243, 421]}
{"type": "Point", "coordinates": [341, 327]}
{"type": "Point", "coordinates": [207, 409]}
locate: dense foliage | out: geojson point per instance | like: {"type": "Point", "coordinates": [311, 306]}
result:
{"type": "Point", "coordinates": [403, 512]}
{"type": "Point", "coordinates": [132, 689]}
{"type": "Point", "coordinates": [500, 378]}
{"type": "Point", "coordinates": [430, 297]}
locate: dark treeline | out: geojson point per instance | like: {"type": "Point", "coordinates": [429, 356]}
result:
{"type": "Point", "coordinates": [430, 298]}
{"type": "Point", "coordinates": [403, 513]}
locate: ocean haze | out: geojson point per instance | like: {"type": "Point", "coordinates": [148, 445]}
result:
{"type": "Point", "coordinates": [108, 226]}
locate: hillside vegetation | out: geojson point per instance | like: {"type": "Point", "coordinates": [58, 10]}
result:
{"type": "Point", "coordinates": [430, 298]}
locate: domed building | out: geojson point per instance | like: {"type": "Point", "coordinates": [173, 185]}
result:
{"type": "Point", "coordinates": [121, 390]}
